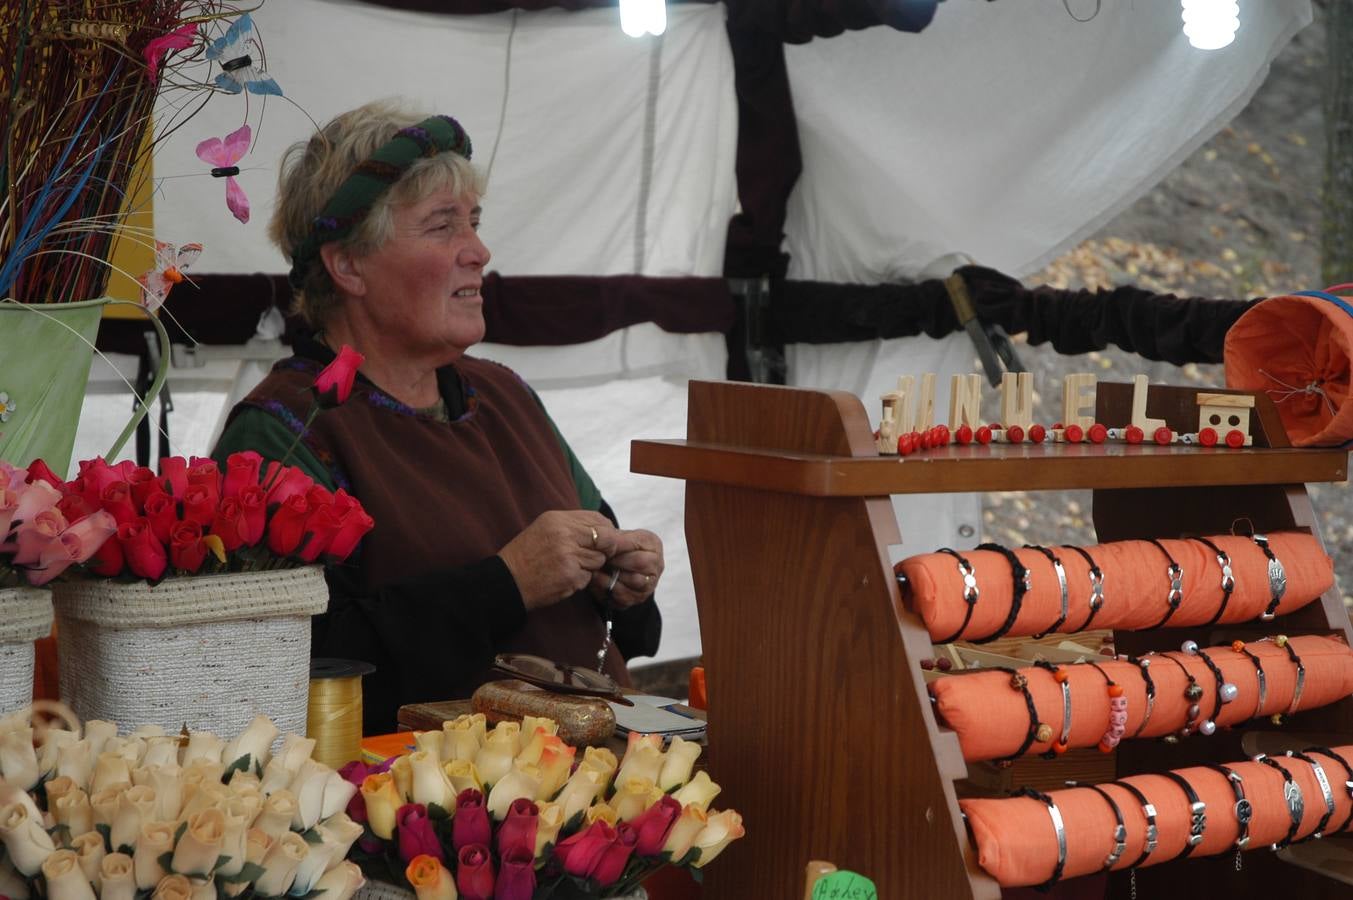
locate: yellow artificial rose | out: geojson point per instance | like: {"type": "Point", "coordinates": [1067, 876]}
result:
{"type": "Point", "coordinates": [494, 759]}
{"type": "Point", "coordinates": [12, 884]}
{"type": "Point", "coordinates": [430, 879]}
{"type": "Point", "coordinates": [341, 882]}
{"type": "Point", "coordinates": [507, 730]}
{"type": "Point", "coordinates": [462, 737]}
{"type": "Point", "coordinates": [401, 773]}
{"type": "Point", "coordinates": [91, 851]}
{"type": "Point", "coordinates": [549, 819]}
{"type": "Point", "coordinates": [556, 761]}
{"type": "Point", "coordinates": [72, 810]}
{"type": "Point", "coordinates": [280, 865]}
{"type": "Point", "coordinates": [699, 791]}
{"type": "Point", "coordinates": [203, 746]}
{"type": "Point", "coordinates": [430, 784]}
{"type": "Point", "coordinates": [721, 829]}
{"type": "Point", "coordinates": [65, 879]}
{"type": "Point", "coordinates": [134, 806]}
{"type": "Point", "coordinates": [641, 761]}
{"type": "Point", "coordinates": [155, 840]}
{"type": "Point", "coordinates": [600, 812]}
{"type": "Point", "coordinates": [278, 811]}
{"type": "Point", "coordinates": [585, 786]}
{"type": "Point", "coordinates": [682, 836]}
{"type": "Point", "coordinates": [429, 742]}
{"type": "Point", "coordinates": [382, 802]}
{"type": "Point", "coordinates": [118, 875]}
{"type": "Point", "coordinates": [462, 774]}
{"type": "Point", "coordinates": [18, 760]}
{"type": "Point", "coordinates": [521, 781]}
{"type": "Point", "coordinates": [308, 786]}
{"type": "Point", "coordinates": [677, 764]}
{"type": "Point", "coordinates": [634, 796]}
{"type": "Point", "coordinates": [26, 842]}
{"type": "Point", "coordinates": [201, 844]}
{"type": "Point", "coordinates": [254, 742]}
{"type": "Point", "coordinates": [173, 887]}
{"type": "Point", "coordinates": [530, 724]}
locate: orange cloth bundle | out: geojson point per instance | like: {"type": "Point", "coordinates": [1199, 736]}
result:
{"type": "Point", "coordinates": [991, 717]}
{"type": "Point", "coordinates": [1136, 585]}
{"type": "Point", "coordinates": [1017, 842]}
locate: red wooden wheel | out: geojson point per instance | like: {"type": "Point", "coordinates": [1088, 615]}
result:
{"type": "Point", "coordinates": [1074, 433]}
{"type": "Point", "coordinates": [1208, 437]}
{"type": "Point", "coordinates": [1163, 435]}
{"type": "Point", "coordinates": [1235, 438]}
{"type": "Point", "coordinates": [1133, 435]}
{"type": "Point", "coordinates": [1037, 433]}
{"type": "Point", "coordinates": [1097, 433]}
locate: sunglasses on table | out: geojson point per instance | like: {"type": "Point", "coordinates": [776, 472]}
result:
{"type": "Point", "coordinates": [552, 676]}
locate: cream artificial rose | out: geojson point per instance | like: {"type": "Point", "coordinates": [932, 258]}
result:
{"type": "Point", "coordinates": [161, 751]}
{"type": "Point", "coordinates": [134, 806]}
{"type": "Point", "coordinates": [634, 796]}
{"type": "Point", "coordinates": [549, 819]}
{"type": "Point", "coordinates": [278, 811]}
{"type": "Point", "coordinates": [429, 742]}
{"type": "Point", "coordinates": [641, 761]}
{"type": "Point", "coordinates": [318, 859]}
{"type": "Point", "coordinates": [690, 823]}
{"type": "Point", "coordinates": [507, 730]}
{"type": "Point", "coordinates": [129, 748]}
{"type": "Point", "coordinates": [338, 793]}
{"type": "Point", "coordinates": [276, 776]}
{"type": "Point", "coordinates": [245, 783]}
{"type": "Point", "coordinates": [201, 845]}
{"type": "Point", "coordinates": [295, 751]}
{"type": "Point", "coordinates": [341, 832]}
{"type": "Point", "coordinates": [167, 784]}
{"type": "Point", "coordinates": [72, 810]}
{"type": "Point", "coordinates": [531, 724]}
{"type": "Point", "coordinates": [280, 865]}
{"type": "Point", "coordinates": [340, 882]}
{"type": "Point", "coordinates": [204, 771]}
{"type": "Point", "coordinates": [462, 737]}
{"type": "Point", "coordinates": [59, 787]}
{"type": "Point", "coordinates": [430, 784]}
{"type": "Point", "coordinates": [118, 877]}
{"type": "Point", "coordinates": [208, 795]}
{"type": "Point", "coordinates": [203, 889]}
{"type": "Point", "coordinates": [401, 773]}
{"type": "Point", "coordinates": [430, 879]}
{"type": "Point", "coordinates": [247, 805]}
{"type": "Point", "coordinates": [257, 843]}
{"type": "Point", "coordinates": [382, 802]}
{"type": "Point", "coordinates": [97, 733]}
{"type": "Point", "coordinates": [521, 781]}
{"type": "Point", "coordinates": [531, 748]}
{"type": "Point", "coordinates": [203, 746]}
{"type": "Point", "coordinates": [25, 840]}
{"type": "Point", "coordinates": [585, 786]}
{"type": "Point", "coordinates": [18, 760]}
{"type": "Point", "coordinates": [148, 731]}
{"type": "Point", "coordinates": [76, 761]}
{"type": "Point", "coordinates": [699, 791]}
{"type": "Point", "coordinates": [556, 761]}
{"type": "Point", "coordinates": [155, 840]}
{"type": "Point", "coordinates": [600, 812]}
{"type": "Point", "coordinates": [12, 884]}
{"type": "Point", "coordinates": [65, 878]}
{"type": "Point", "coordinates": [104, 803]}
{"type": "Point", "coordinates": [239, 815]}
{"type": "Point", "coordinates": [173, 887]}
{"type": "Point", "coordinates": [308, 787]}
{"type": "Point", "coordinates": [109, 769]}
{"type": "Point", "coordinates": [677, 764]}
{"type": "Point", "coordinates": [462, 774]}
{"type": "Point", "coordinates": [495, 756]}
{"type": "Point", "coordinates": [53, 739]}
{"type": "Point", "coordinates": [91, 851]}
{"type": "Point", "coordinates": [255, 742]}
{"type": "Point", "coordinates": [722, 829]}
{"type": "Point", "coordinates": [601, 760]}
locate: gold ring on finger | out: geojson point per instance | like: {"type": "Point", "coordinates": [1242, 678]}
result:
{"type": "Point", "coordinates": [594, 538]}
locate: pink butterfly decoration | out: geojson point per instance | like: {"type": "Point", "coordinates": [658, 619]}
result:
{"type": "Point", "coordinates": [170, 261]}
{"type": "Point", "coordinates": [180, 38]}
{"type": "Point", "coordinates": [222, 155]}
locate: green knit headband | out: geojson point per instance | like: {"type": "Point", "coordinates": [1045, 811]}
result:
{"type": "Point", "coordinates": [354, 198]}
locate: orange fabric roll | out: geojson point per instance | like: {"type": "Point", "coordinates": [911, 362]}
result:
{"type": "Point", "coordinates": [991, 718]}
{"type": "Point", "coordinates": [1136, 585]}
{"type": "Point", "coordinates": [1017, 843]}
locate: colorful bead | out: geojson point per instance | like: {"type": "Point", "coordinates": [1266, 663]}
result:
{"type": "Point", "coordinates": [1115, 690]}
{"type": "Point", "coordinates": [1280, 641]}
{"type": "Point", "coordinates": [1018, 681]}
{"type": "Point", "coordinates": [1044, 733]}
{"type": "Point", "coordinates": [1208, 727]}
{"type": "Point", "coordinates": [1189, 647]}
{"type": "Point", "coordinates": [1229, 692]}
{"type": "Point", "coordinates": [1238, 646]}
{"type": "Point", "coordinates": [1194, 691]}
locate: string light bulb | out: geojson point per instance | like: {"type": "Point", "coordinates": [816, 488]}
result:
{"type": "Point", "coordinates": [1210, 24]}
{"type": "Point", "coordinates": [640, 17]}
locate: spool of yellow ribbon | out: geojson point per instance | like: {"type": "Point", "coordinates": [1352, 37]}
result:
{"type": "Point", "coordinates": [334, 715]}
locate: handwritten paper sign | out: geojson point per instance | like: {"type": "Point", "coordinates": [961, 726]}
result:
{"type": "Point", "coordinates": [844, 886]}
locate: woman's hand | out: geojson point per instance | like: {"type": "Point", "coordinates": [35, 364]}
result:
{"type": "Point", "coordinates": [638, 560]}
{"type": "Point", "coordinates": [560, 553]}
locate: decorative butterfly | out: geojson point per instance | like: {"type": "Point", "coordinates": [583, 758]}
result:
{"type": "Point", "coordinates": [222, 155]}
{"type": "Point", "coordinates": [170, 261]}
{"type": "Point", "coordinates": [238, 71]}
{"type": "Point", "coordinates": [180, 38]}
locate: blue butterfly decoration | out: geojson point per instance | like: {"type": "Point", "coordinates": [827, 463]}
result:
{"type": "Point", "coordinates": [238, 69]}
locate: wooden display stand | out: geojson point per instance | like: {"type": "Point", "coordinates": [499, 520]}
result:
{"type": "Point", "coordinates": [820, 727]}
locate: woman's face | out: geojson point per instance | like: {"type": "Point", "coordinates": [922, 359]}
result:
{"type": "Point", "coordinates": [423, 284]}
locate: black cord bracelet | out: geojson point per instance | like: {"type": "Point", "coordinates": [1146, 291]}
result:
{"type": "Point", "coordinates": [1193, 692]}
{"type": "Point", "coordinates": [1326, 794]}
{"type": "Point", "coordinates": [1282, 640]}
{"type": "Point", "coordinates": [1296, 804]}
{"type": "Point", "coordinates": [1037, 730]}
{"type": "Point", "coordinates": [1277, 578]}
{"type": "Point", "coordinates": [1348, 784]}
{"type": "Point", "coordinates": [1058, 826]}
{"type": "Point", "coordinates": [1152, 833]}
{"type": "Point", "coordinates": [1143, 666]}
{"type": "Point", "coordinates": [1197, 813]}
{"type": "Point", "coordinates": [1119, 830]}
{"type": "Point", "coordinates": [1175, 572]}
{"type": "Point", "coordinates": [1228, 579]}
{"type": "Point", "coordinates": [1225, 693]}
{"type": "Point", "coordinates": [1021, 579]}
{"type": "Point", "coordinates": [970, 593]}
{"type": "Point", "coordinates": [1259, 677]}
{"type": "Point", "coordinates": [1060, 571]}
{"type": "Point", "coordinates": [1244, 810]}
{"type": "Point", "coordinates": [1096, 585]}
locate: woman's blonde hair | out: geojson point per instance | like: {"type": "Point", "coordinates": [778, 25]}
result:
{"type": "Point", "coordinates": [313, 170]}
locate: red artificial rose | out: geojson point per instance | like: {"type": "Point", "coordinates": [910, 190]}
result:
{"type": "Point", "coordinates": [146, 556]}
{"type": "Point", "coordinates": [470, 824]}
{"type": "Point", "coordinates": [318, 495]}
{"type": "Point", "coordinates": [204, 472]}
{"type": "Point", "coordinates": [254, 507]}
{"type": "Point", "coordinates": [109, 559]}
{"type": "Point", "coordinates": [320, 527]}
{"type": "Point", "coordinates": [334, 382]}
{"type": "Point", "coordinates": [612, 864]}
{"type": "Point", "coordinates": [228, 524]}
{"type": "Point", "coordinates": [186, 550]}
{"type": "Point", "coordinates": [74, 507]}
{"type": "Point", "coordinates": [654, 823]}
{"type": "Point", "coordinates": [117, 499]}
{"type": "Point", "coordinates": [414, 830]}
{"type": "Point", "coordinates": [581, 852]}
{"type": "Point", "coordinates": [174, 474]}
{"type": "Point", "coordinates": [287, 526]}
{"type": "Point", "coordinates": [162, 512]}
{"type": "Point", "coordinates": [516, 876]}
{"type": "Point", "coordinates": [39, 471]}
{"type": "Point", "coordinates": [241, 472]}
{"type": "Point", "coordinates": [354, 523]}
{"type": "Point", "coordinates": [474, 875]}
{"type": "Point", "coordinates": [518, 831]}
{"type": "Point", "coordinates": [199, 504]}
{"type": "Point", "coordinates": [97, 475]}
{"type": "Point", "coordinates": [124, 468]}
{"type": "Point", "coordinates": [290, 482]}
{"type": "Point", "coordinates": [144, 483]}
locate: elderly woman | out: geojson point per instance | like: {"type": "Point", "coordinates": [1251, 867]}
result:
{"type": "Point", "coordinates": [489, 535]}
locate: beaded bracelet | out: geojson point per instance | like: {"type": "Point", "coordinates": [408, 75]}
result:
{"type": "Point", "coordinates": [1142, 666]}
{"type": "Point", "coordinates": [1326, 794]}
{"type": "Point", "coordinates": [1175, 572]}
{"type": "Point", "coordinates": [1096, 585]}
{"type": "Point", "coordinates": [1061, 584]}
{"type": "Point", "coordinates": [1060, 676]}
{"type": "Point", "coordinates": [1260, 677]}
{"type": "Point", "coordinates": [1281, 640]}
{"type": "Point", "coordinates": [1296, 805]}
{"type": "Point", "coordinates": [1228, 580]}
{"type": "Point", "coordinates": [1119, 830]}
{"type": "Point", "coordinates": [1244, 810]}
{"type": "Point", "coordinates": [970, 593]}
{"type": "Point", "coordinates": [1277, 578]}
{"type": "Point", "coordinates": [1152, 833]}
{"type": "Point", "coordinates": [1022, 582]}
{"type": "Point", "coordinates": [1118, 705]}
{"type": "Point", "coordinates": [1193, 692]}
{"type": "Point", "coordinates": [1058, 826]}
{"type": "Point", "coordinates": [1348, 784]}
{"type": "Point", "coordinates": [1197, 813]}
{"type": "Point", "coordinates": [1226, 691]}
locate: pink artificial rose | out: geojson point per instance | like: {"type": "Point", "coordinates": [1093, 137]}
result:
{"type": "Point", "coordinates": [146, 557]}
{"type": "Point", "coordinates": [117, 499]}
{"type": "Point", "coordinates": [334, 382]}
{"type": "Point", "coordinates": [516, 876]}
{"type": "Point", "coordinates": [654, 824]}
{"type": "Point", "coordinates": [174, 475]}
{"type": "Point", "coordinates": [518, 831]}
{"type": "Point", "coordinates": [253, 507]}
{"type": "Point", "coordinates": [287, 526]}
{"type": "Point", "coordinates": [290, 482]}
{"type": "Point", "coordinates": [613, 860]}
{"type": "Point", "coordinates": [36, 533]}
{"type": "Point", "coordinates": [9, 504]}
{"type": "Point", "coordinates": [228, 524]}
{"type": "Point", "coordinates": [470, 824]}
{"type": "Point", "coordinates": [162, 512]}
{"type": "Point", "coordinates": [35, 498]}
{"type": "Point", "coordinates": [414, 830]}
{"type": "Point", "coordinates": [242, 471]}
{"type": "Point", "coordinates": [474, 875]}
{"type": "Point", "coordinates": [40, 471]}
{"type": "Point", "coordinates": [582, 852]}
{"type": "Point", "coordinates": [75, 545]}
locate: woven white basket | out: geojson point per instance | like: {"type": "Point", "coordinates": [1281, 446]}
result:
{"type": "Point", "coordinates": [381, 890]}
{"type": "Point", "coordinates": [25, 616]}
{"type": "Point", "coordinates": [209, 652]}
